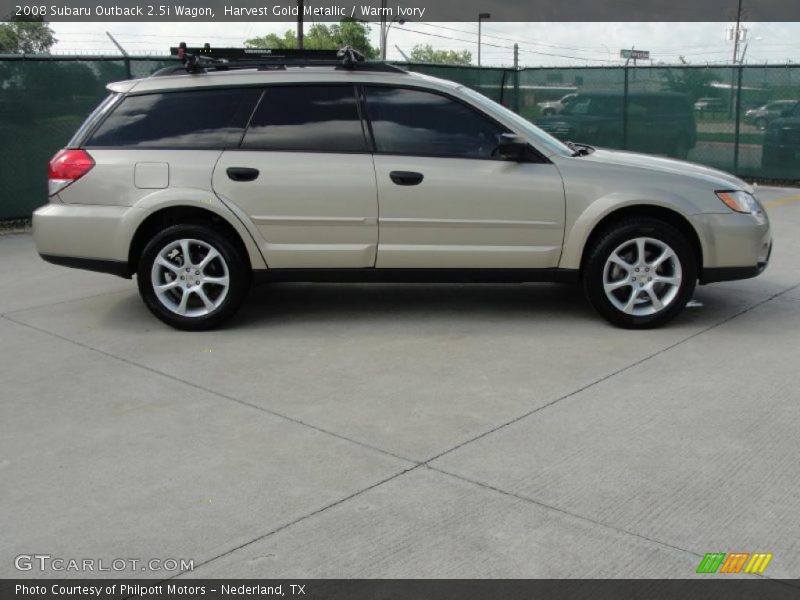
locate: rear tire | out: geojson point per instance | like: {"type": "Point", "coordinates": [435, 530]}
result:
{"type": "Point", "coordinates": [192, 277]}
{"type": "Point", "coordinates": [640, 273]}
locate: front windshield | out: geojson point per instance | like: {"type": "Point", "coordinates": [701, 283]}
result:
{"type": "Point", "coordinates": [543, 141]}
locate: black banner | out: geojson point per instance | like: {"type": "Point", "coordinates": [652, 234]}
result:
{"type": "Point", "coordinates": [408, 10]}
{"type": "Point", "coordinates": [430, 589]}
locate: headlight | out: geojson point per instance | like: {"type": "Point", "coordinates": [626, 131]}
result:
{"type": "Point", "coordinates": [740, 201]}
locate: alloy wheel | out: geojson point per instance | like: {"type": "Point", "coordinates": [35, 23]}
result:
{"type": "Point", "coordinates": [642, 276]}
{"type": "Point", "coordinates": [190, 278]}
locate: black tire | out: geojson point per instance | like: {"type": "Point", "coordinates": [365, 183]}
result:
{"type": "Point", "coordinates": [761, 123]}
{"type": "Point", "coordinates": [238, 274]}
{"type": "Point", "coordinates": [615, 236]}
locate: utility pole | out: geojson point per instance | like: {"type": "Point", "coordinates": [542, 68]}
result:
{"type": "Point", "coordinates": [736, 32]}
{"type": "Point", "coordinates": [384, 33]}
{"type": "Point", "coordinates": [300, 24]}
{"type": "Point", "coordinates": [515, 102]}
{"type": "Point", "coordinates": [735, 57]}
{"type": "Point", "coordinates": [481, 17]}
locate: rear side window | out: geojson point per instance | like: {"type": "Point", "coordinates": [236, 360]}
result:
{"type": "Point", "coordinates": [305, 118]}
{"type": "Point", "coordinates": [406, 121]}
{"type": "Point", "coordinates": [195, 119]}
{"type": "Point", "coordinates": [97, 114]}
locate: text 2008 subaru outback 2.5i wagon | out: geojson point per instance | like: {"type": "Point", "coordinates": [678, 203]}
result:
{"type": "Point", "coordinates": [199, 182]}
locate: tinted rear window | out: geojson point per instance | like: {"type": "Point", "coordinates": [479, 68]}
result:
{"type": "Point", "coordinates": [194, 119]}
{"type": "Point", "coordinates": [306, 118]}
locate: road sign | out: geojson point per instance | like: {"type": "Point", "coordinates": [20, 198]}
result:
{"type": "Point", "coordinates": [635, 54]}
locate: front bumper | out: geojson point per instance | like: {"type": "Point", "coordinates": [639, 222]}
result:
{"type": "Point", "coordinates": [735, 246]}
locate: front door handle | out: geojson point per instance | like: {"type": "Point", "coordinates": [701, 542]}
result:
{"type": "Point", "coordinates": [242, 173]}
{"type": "Point", "coordinates": [406, 177]}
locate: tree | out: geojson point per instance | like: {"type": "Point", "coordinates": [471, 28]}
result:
{"type": "Point", "coordinates": [426, 54]}
{"type": "Point", "coordinates": [693, 82]}
{"type": "Point", "coordinates": [26, 37]}
{"type": "Point", "coordinates": [322, 37]}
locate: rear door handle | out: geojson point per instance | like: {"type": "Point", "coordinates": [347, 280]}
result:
{"type": "Point", "coordinates": [406, 177]}
{"type": "Point", "coordinates": [242, 173]}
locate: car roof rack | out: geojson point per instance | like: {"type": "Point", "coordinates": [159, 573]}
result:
{"type": "Point", "coordinates": [205, 59]}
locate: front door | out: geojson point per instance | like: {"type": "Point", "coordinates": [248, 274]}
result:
{"type": "Point", "coordinates": [445, 201]}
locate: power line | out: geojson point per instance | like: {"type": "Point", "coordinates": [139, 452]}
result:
{"type": "Point", "coordinates": [511, 48]}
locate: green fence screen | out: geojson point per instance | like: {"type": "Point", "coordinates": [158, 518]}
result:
{"type": "Point", "coordinates": [742, 119]}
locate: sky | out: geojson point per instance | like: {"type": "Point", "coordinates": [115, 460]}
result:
{"type": "Point", "coordinates": [541, 44]}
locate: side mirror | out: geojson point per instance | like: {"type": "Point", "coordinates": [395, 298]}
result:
{"type": "Point", "coordinates": [513, 148]}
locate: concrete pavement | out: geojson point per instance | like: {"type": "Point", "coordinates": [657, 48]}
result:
{"type": "Point", "coordinates": [400, 430]}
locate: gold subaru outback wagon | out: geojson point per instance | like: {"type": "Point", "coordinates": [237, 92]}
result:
{"type": "Point", "coordinates": [203, 178]}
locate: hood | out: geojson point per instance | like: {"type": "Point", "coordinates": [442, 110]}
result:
{"type": "Point", "coordinates": [563, 120]}
{"type": "Point", "coordinates": [793, 122]}
{"type": "Point", "coordinates": [716, 179]}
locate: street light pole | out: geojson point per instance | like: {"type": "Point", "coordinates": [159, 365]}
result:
{"type": "Point", "coordinates": [385, 34]}
{"type": "Point", "coordinates": [481, 17]}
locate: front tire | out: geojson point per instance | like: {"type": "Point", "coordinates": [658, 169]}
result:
{"type": "Point", "coordinates": [640, 273]}
{"type": "Point", "coordinates": [192, 277]}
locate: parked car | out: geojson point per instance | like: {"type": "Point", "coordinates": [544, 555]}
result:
{"type": "Point", "coordinates": [202, 183]}
{"type": "Point", "coordinates": [781, 150]}
{"type": "Point", "coordinates": [657, 122]}
{"type": "Point", "coordinates": [710, 105]}
{"type": "Point", "coordinates": [763, 115]}
{"type": "Point", "coordinates": [555, 106]}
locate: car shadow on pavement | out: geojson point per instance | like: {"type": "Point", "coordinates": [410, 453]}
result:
{"type": "Point", "coordinates": [296, 303]}
{"type": "Point", "coordinates": [314, 302]}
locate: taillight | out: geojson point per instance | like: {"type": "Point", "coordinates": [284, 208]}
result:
{"type": "Point", "coordinates": [67, 166]}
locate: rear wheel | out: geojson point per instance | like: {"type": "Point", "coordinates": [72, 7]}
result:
{"type": "Point", "coordinates": [192, 277]}
{"type": "Point", "coordinates": [640, 273]}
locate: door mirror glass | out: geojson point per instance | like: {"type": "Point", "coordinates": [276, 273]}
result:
{"type": "Point", "coordinates": [512, 147]}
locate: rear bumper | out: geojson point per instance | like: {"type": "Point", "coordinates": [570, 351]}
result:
{"type": "Point", "coordinates": [95, 238]}
{"type": "Point", "coordinates": [112, 267]}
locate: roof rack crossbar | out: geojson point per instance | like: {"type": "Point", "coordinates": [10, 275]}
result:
{"type": "Point", "coordinates": [203, 60]}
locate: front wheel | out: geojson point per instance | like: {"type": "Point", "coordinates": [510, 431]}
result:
{"type": "Point", "coordinates": [640, 273]}
{"type": "Point", "coordinates": [192, 277]}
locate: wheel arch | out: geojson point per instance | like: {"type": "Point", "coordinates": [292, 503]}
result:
{"type": "Point", "coordinates": [668, 215]}
{"type": "Point", "coordinates": [162, 217]}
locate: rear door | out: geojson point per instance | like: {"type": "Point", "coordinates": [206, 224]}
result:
{"type": "Point", "coordinates": [304, 176]}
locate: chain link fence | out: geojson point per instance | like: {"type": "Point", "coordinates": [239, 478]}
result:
{"type": "Point", "coordinates": [742, 119]}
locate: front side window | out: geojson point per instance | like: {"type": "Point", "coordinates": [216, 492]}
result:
{"type": "Point", "coordinates": [319, 118]}
{"type": "Point", "coordinates": [406, 121]}
{"type": "Point", "coordinates": [194, 119]}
